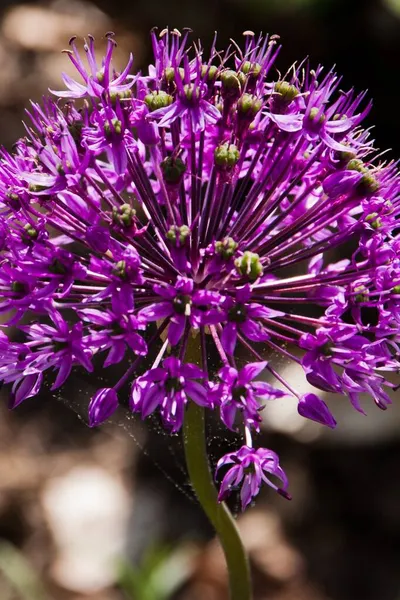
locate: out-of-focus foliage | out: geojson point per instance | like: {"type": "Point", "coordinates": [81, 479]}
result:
{"type": "Point", "coordinates": [160, 573]}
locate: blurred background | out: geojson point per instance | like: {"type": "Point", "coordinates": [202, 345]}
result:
{"type": "Point", "coordinates": [108, 514]}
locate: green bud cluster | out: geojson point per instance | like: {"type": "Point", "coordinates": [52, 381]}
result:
{"type": "Point", "coordinates": [191, 91]}
{"type": "Point", "coordinates": [113, 126]}
{"type": "Point", "coordinates": [35, 187]}
{"type": "Point", "coordinates": [158, 99]}
{"type": "Point", "coordinates": [178, 235]}
{"type": "Point", "coordinates": [209, 72]}
{"type": "Point", "coordinates": [361, 293]}
{"type": "Point", "coordinates": [374, 220]}
{"type": "Point", "coordinates": [125, 95]}
{"type": "Point", "coordinates": [316, 115]}
{"type": "Point", "coordinates": [287, 91]}
{"type": "Point", "coordinates": [226, 156]}
{"type": "Point", "coordinates": [173, 169]}
{"type": "Point", "coordinates": [251, 69]}
{"type": "Point", "coordinates": [169, 74]}
{"type": "Point", "coordinates": [230, 82]}
{"type": "Point", "coordinates": [123, 215]}
{"type": "Point", "coordinates": [120, 269]}
{"type": "Point", "coordinates": [368, 183]}
{"type": "Point", "coordinates": [30, 232]}
{"type": "Point", "coordinates": [18, 287]}
{"type": "Point", "coordinates": [249, 265]}
{"type": "Point", "coordinates": [249, 105]}
{"type": "Point", "coordinates": [226, 248]}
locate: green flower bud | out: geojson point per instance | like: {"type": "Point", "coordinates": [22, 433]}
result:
{"type": "Point", "coordinates": [355, 164]}
{"type": "Point", "coordinates": [226, 248]}
{"type": "Point", "coordinates": [249, 265]}
{"type": "Point", "coordinates": [251, 69]}
{"type": "Point", "coordinates": [347, 157]}
{"type": "Point", "coordinates": [374, 220]}
{"type": "Point", "coordinates": [114, 96]}
{"type": "Point", "coordinates": [173, 169]}
{"type": "Point", "coordinates": [112, 127]}
{"type": "Point", "coordinates": [30, 232]}
{"type": "Point", "coordinates": [209, 72]}
{"type": "Point", "coordinates": [396, 289]}
{"type": "Point", "coordinates": [316, 115]}
{"type": "Point", "coordinates": [361, 293]}
{"type": "Point", "coordinates": [368, 184]}
{"type": "Point", "coordinates": [226, 156]}
{"type": "Point", "coordinates": [169, 74]}
{"type": "Point", "coordinates": [123, 215]}
{"type": "Point", "coordinates": [120, 269]}
{"type": "Point", "coordinates": [35, 187]}
{"type": "Point", "coordinates": [287, 91]}
{"type": "Point", "coordinates": [178, 235]}
{"type": "Point", "coordinates": [18, 287]}
{"type": "Point", "coordinates": [158, 99]}
{"type": "Point", "coordinates": [57, 268]}
{"type": "Point", "coordinates": [191, 91]}
{"type": "Point", "coordinates": [249, 105]}
{"type": "Point", "coordinates": [230, 81]}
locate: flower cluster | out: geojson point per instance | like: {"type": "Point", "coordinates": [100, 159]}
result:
{"type": "Point", "coordinates": [208, 201]}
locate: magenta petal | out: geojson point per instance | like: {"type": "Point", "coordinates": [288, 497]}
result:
{"type": "Point", "coordinates": [152, 397]}
{"type": "Point", "coordinates": [197, 393]}
{"type": "Point", "coordinates": [251, 371]}
{"type": "Point", "coordinates": [229, 337]}
{"type": "Point", "coordinates": [176, 329]}
{"type": "Point", "coordinates": [156, 311]}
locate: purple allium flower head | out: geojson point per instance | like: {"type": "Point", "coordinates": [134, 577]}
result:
{"type": "Point", "coordinates": [208, 202]}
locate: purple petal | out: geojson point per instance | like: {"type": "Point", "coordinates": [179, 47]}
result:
{"type": "Point", "coordinates": [176, 329]}
{"type": "Point", "coordinates": [197, 393]}
{"type": "Point", "coordinates": [229, 337]}
{"type": "Point", "coordinates": [152, 397]}
{"type": "Point", "coordinates": [251, 371]}
{"type": "Point", "coordinates": [156, 311]}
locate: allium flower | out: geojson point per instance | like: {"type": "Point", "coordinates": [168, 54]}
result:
{"type": "Point", "coordinates": [210, 200]}
{"type": "Point", "coordinates": [250, 469]}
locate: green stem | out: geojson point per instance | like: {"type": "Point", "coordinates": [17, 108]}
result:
{"type": "Point", "coordinates": [218, 513]}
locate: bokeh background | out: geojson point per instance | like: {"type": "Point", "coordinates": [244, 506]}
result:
{"type": "Point", "coordinates": [109, 514]}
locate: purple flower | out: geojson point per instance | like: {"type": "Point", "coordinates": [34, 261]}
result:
{"type": "Point", "coordinates": [169, 388]}
{"type": "Point", "coordinates": [98, 79]}
{"type": "Point", "coordinates": [184, 305]}
{"type": "Point", "coordinates": [238, 392]}
{"type": "Point", "coordinates": [196, 210]}
{"type": "Point", "coordinates": [244, 318]}
{"type": "Point", "coordinates": [251, 468]}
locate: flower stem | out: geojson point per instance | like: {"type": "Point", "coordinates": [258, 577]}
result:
{"type": "Point", "coordinates": [218, 513]}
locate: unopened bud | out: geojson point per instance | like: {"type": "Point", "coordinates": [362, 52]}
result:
{"type": "Point", "coordinates": [158, 99]}
{"type": "Point", "coordinates": [249, 265]}
{"type": "Point", "coordinates": [178, 235]}
{"type": "Point", "coordinates": [226, 248]}
{"type": "Point", "coordinates": [173, 169]}
{"type": "Point", "coordinates": [123, 215]}
{"type": "Point", "coordinates": [226, 156]}
{"type": "Point", "coordinates": [249, 105]}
